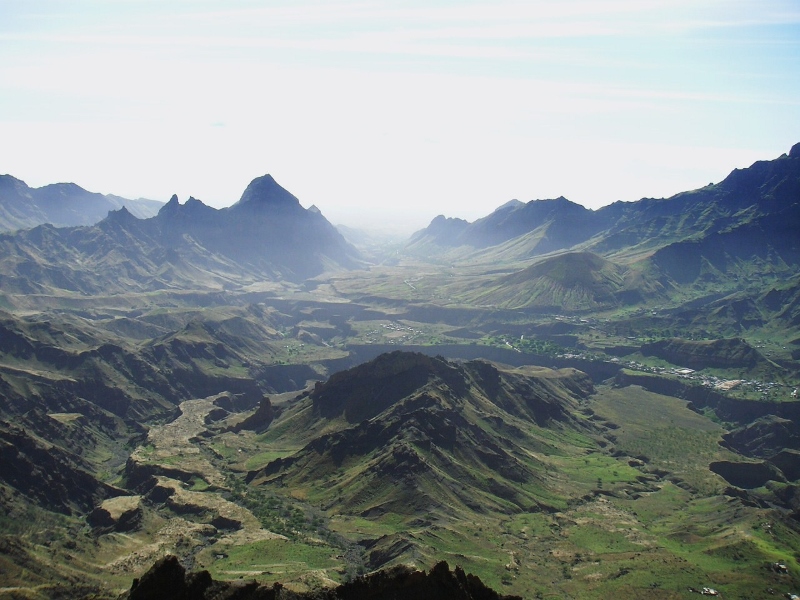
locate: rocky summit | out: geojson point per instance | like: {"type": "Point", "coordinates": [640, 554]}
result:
{"type": "Point", "coordinates": [264, 192]}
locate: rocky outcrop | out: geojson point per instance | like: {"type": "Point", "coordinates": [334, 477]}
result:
{"type": "Point", "coordinates": [259, 420]}
{"type": "Point", "coordinates": [123, 513]}
{"type": "Point", "coordinates": [788, 461]}
{"type": "Point", "coordinates": [746, 475]}
{"type": "Point", "coordinates": [142, 476]}
{"type": "Point", "coordinates": [764, 437]}
{"type": "Point", "coordinates": [168, 580]}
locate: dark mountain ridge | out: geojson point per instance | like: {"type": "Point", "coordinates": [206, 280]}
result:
{"type": "Point", "coordinates": [560, 223]}
{"type": "Point", "coordinates": [408, 433]}
{"type": "Point", "coordinates": [725, 354]}
{"type": "Point", "coordinates": [167, 578]}
{"type": "Point", "coordinates": [736, 237]}
{"type": "Point", "coordinates": [267, 234]}
{"type": "Point", "coordinates": [747, 195]}
{"type": "Point", "coordinates": [61, 205]}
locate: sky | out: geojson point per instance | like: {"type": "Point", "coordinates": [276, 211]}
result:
{"type": "Point", "coordinates": [387, 114]}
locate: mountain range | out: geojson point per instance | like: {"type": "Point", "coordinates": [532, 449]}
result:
{"type": "Point", "coordinates": [266, 235]}
{"type": "Point", "coordinates": [740, 230]}
{"type": "Point", "coordinates": [735, 237]}
{"type": "Point", "coordinates": [762, 196]}
{"type": "Point", "coordinates": [61, 204]}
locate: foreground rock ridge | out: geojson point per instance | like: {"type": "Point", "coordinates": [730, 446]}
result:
{"type": "Point", "coordinates": [168, 580]}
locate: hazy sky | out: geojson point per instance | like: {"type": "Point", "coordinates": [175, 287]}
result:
{"type": "Point", "coordinates": [396, 111]}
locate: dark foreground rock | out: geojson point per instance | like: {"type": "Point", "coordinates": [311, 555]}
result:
{"type": "Point", "coordinates": [168, 580]}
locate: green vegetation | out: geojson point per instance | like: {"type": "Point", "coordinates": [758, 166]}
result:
{"type": "Point", "coordinates": [273, 559]}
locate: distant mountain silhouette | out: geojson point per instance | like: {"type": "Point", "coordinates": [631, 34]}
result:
{"type": "Point", "coordinates": [760, 201]}
{"type": "Point", "coordinates": [559, 223]}
{"type": "Point", "coordinates": [267, 234]}
{"type": "Point", "coordinates": [61, 204]}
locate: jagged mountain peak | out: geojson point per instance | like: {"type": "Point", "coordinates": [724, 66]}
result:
{"type": "Point", "coordinates": [119, 215]}
{"type": "Point", "coordinates": [264, 191]}
{"type": "Point", "coordinates": [170, 208]}
{"type": "Point", "coordinates": [120, 218]}
{"type": "Point", "coordinates": [191, 210]}
{"type": "Point", "coordinates": [193, 204]}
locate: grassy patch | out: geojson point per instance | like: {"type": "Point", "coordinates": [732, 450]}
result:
{"type": "Point", "coordinates": [262, 459]}
{"type": "Point", "coordinates": [661, 429]}
{"type": "Point", "coordinates": [599, 471]}
{"type": "Point", "coordinates": [274, 559]}
{"type": "Point", "coordinates": [595, 539]}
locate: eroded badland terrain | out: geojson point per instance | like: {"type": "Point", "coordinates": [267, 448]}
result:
{"type": "Point", "coordinates": [564, 403]}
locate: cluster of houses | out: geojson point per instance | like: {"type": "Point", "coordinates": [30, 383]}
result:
{"type": "Point", "coordinates": [725, 385]}
{"type": "Point", "coordinates": [398, 333]}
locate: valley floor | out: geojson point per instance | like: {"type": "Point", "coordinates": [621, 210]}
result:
{"type": "Point", "coordinates": [642, 516]}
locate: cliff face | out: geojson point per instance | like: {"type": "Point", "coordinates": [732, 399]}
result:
{"type": "Point", "coordinates": [723, 354]}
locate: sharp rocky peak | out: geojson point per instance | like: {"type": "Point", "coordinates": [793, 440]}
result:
{"type": "Point", "coordinates": [265, 191]}
{"type": "Point", "coordinates": [120, 213]}
{"type": "Point", "coordinates": [171, 207]}
{"type": "Point", "coordinates": [120, 216]}
{"type": "Point", "coordinates": [191, 208]}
